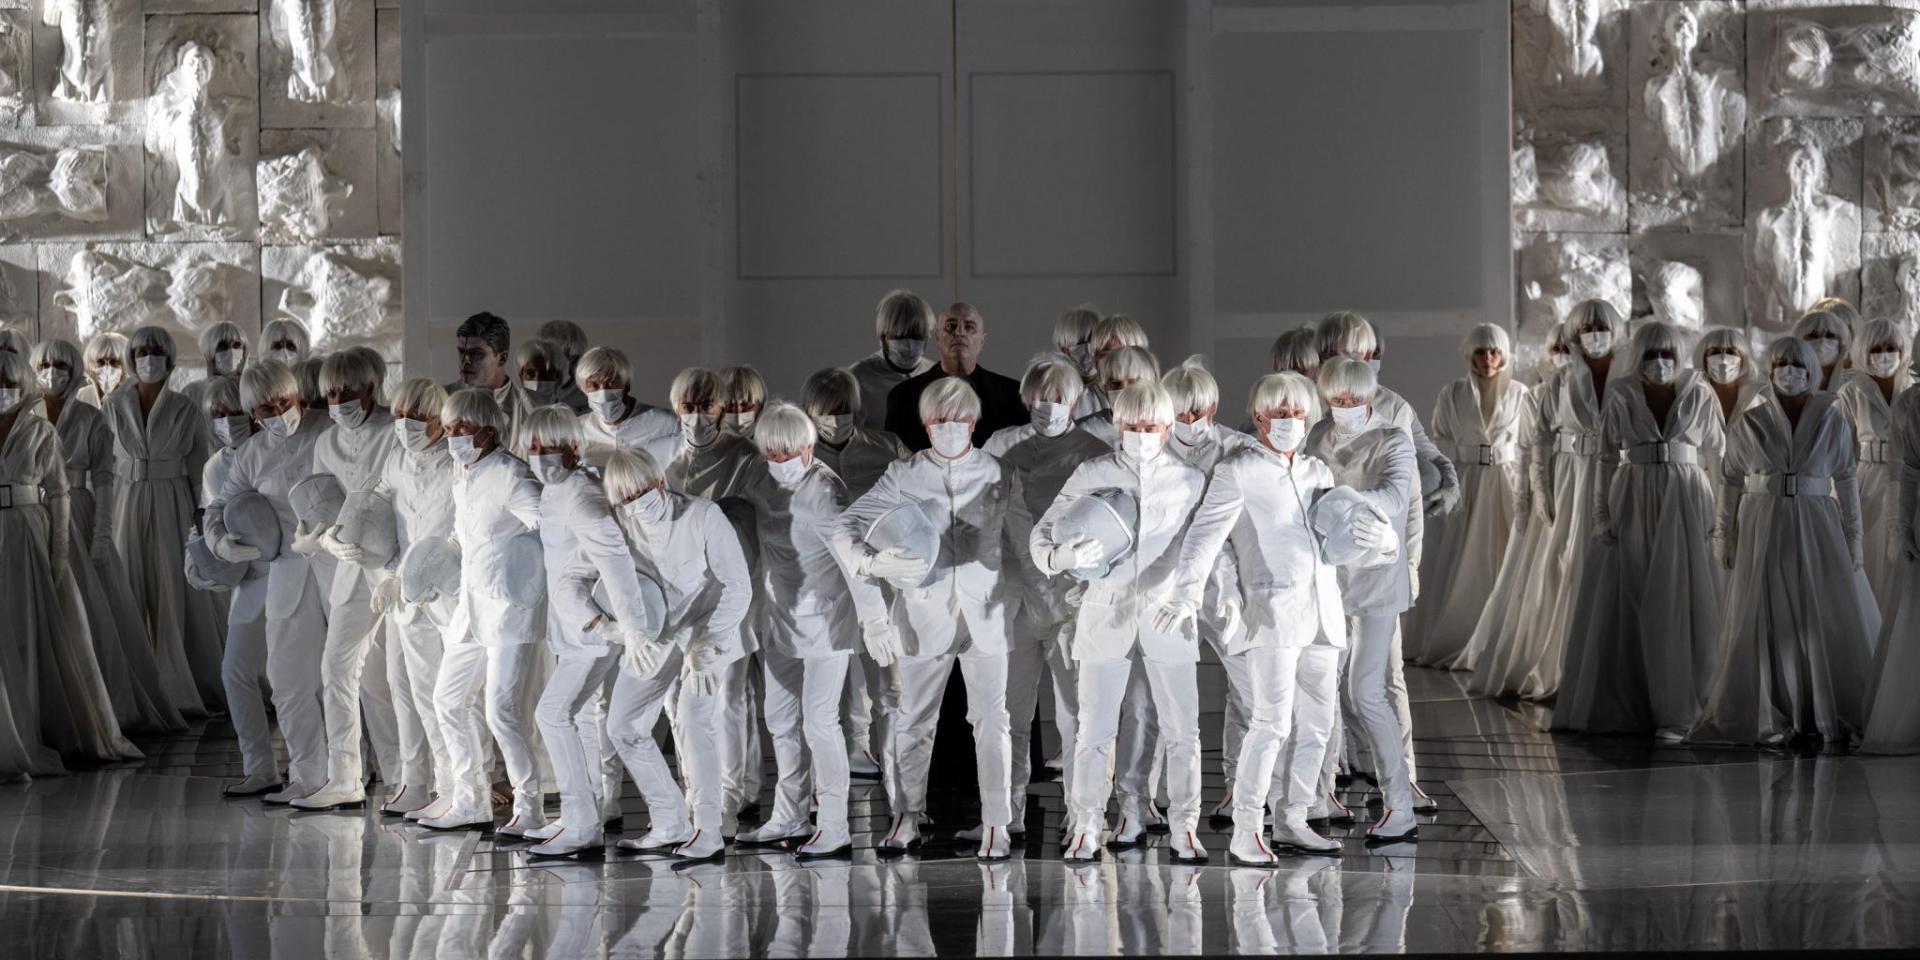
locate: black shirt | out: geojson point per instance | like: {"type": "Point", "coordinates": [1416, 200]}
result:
{"type": "Point", "coordinates": [1000, 406]}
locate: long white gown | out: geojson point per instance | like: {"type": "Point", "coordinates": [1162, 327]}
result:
{"type": "Point", "coordinates": [119, 632]}
{"type": "Point", "coordinates": [1465, 550]}
{"type": "Point", "coordinates": [158, 460]}
{"type": "Point", "coordinates": [1494, 655]}
{"type": "Point", "coordinates": [1646, 617]}
{"type": "Point", "coordinates": [1893, 713]}
{"type": "Point", "coordinates": [1871, 416]}
{"type": "Point", "coordinates": [1797, 641]}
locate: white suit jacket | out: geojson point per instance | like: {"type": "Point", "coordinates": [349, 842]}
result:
{"type": "Point", "coordinates": [1380, 465]}
{"type": "Point", "coordinates": [494, 501]}
{"type": "Point", "coordinates": [272, 465]}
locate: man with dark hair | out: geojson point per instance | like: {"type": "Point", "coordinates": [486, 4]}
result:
{"type": "Point", "coordinates": [959, 335]}
{"type": "Point", "coordinates": [483, 342]}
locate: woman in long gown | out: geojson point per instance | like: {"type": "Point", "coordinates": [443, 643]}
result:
{"type": "Point", "coordinates": [1797, 639]}
{"type": "Point", "coordinates": [1647, 613]}
{"type": "Point", "coordinates": [1831, 337]}
{"type": "Point", "coordinates": [1723, 357]}
{"type": "Point", "coordinates": [58, 705]}
{"type": "Point", "coordinates": [1880, 375]}
{"type": "Point", "coordinates": [1499, 659]}
{"type": "Point", "coordinates": [119, 633]}
{"type": "Point", "coordinates": [105, 356]}
{"type": "Point", "coordinates": [1477, 423]}
{"type": "Point", "coordinates": [1893, 713]}
{"type": "Point", "coordinates": [160, 450]}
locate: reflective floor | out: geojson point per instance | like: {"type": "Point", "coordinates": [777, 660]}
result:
{"type": "Point", "coordinates": [1541, 843]}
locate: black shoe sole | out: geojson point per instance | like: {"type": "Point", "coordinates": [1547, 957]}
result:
{"type": "Point", "coordinates": [352, 805]}
{"type": "Point", "coordinates": [1410, 836]}
{"type": "Point", "coordinates": [587, 853]}
{"type": "Point", "coordinates": [226, 794]}
{"type": "Point", "coordinates": [1178, 858]}
{"type": "Point", "coordinates": [772, 844]}
{"type": "Point", "coordinates": [1236, 860]}
{"type": "Point", "coordinates": [484, 827]}
{"type": "Point", "coordinates": [714, 857]}
{"type": "Point", "coordinates": [864, 776]}
{"type": "Point", "coordinates": [838, 853]}
{"type": "Point", "coordinates": [1306, 852]}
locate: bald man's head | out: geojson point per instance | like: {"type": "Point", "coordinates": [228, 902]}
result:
{"type": "Point", "coordinates": [960, 335]}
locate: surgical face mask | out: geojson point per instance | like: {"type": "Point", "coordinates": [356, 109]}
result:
{"type": "Point", "coordinates": [1723, 367]}
{"type": "Point", "coordinates": [230, 431]}
{"type": "Point", "coordinates": [282, 425]}
{"type": "Point", "coordinates": [549, 468]}
{"type": "Point", "coordinates": [541, 389]}
{"type": "Point", "coordinates": [228, 362]}
{"type": "Point", "coordinates": [1192, 434]}
{"type": "Point", "coordinates": [10, 397]}
{"type": "Point", "coordinates": [1560, 359]}
{"type": "Point", "coordinates": [348, 414]}
{"type": "Point", "coordinates": [834, 427]}
{"type": "Point", "coordinates": [464, 450]}
{"type": "Point", "coordinates": [150, 369]}
{"type": "Point", "coordinates": [53, 380]}
{"type": "Point", "coordinates": [905, 354]}
{"type": "Point", "coordinates": [739, 423]}
{"type": "Point", "coordinates": [951, 439]}
{"type": "Point", "coordinates": [608, 405]}
{"type": "Point", "coordinates": [413, 433]}
{"type": "Point", "coordinates": [698, 429]}
{"type": "Point", "coordinates": [649, 507]}
{"type": "Point", "coordinates": [109, 378]}
{"type": "Point", "coordinates": [1082, 357]}
{"type": "Point", "coordinates": [1792, 381]}
{"type": "Point", "coordinates": [1285, 433]}
{"type": "Point", "coordinates": [1348, 421]}
{"type": "Point", "coordinates": [1051, 419]}
{"type": "Point", "coordinates": [789, 471]}
{"type": "Point", "coordinates": [286, 355]}
{"type": "Point", "coordinates": [1596, 344]}
{"type": "Point", "coordinates": [1142, 446]}
{"type": "Point", "coordinates": [1661, 371]}
{"type": "Point", "coordinates": [1883, 363]}
{"type": "Point", "coordinates": [1826, 349]}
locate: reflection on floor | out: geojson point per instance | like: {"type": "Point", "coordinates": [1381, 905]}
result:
{"type": "Point", "coordinates": [1541, 843]}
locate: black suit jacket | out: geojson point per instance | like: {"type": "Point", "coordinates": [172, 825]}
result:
{"type": "Point", "coordinates": [1000, 406]}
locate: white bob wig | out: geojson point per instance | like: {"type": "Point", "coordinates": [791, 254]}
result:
{"type": "Point", "coordinates": [106, 346]}
{"type": "Point", "coordinates": [1797, 352]}
{"type": "Point", "coordinates": [1348, 334]}
{"type": "Point", "coordinates": [565, 334]}
{"type": "Point", "coordinates": [226, 331]}
{"type": "Point", "coordinates": [475, 408]}
{"type": "Point", "coordinates": [1075, 327]}
{"type": "Point", "coordinates": [1586, 313]}
{"type": "Point", "coordinates": [1297, 350]}
{"type": "Point", "coordinates": [699, 386]}
{"type": "Point", "coordinates": [1725, 340]}
{"type": "Point", "coordinates": [420, 398]}
{"type": "Point", "coordinates": [148, 338]}
{"type": "Point", "coordinates": [1344, 376]}
{"type": "Point", "coordinates": [832, 392]}
{"type": "Point", "coordinates": [605, 363]}
{"type": "Point", "coordinates": [1191, 388]}
{"type": "Point", "coordinates": [744, 385]}
{"type": "Point", "coordinates": [352, 370]}
{"type": "Point", "coordinates": [1053, 380]}
{"type": "Point", "coordinates": [1120, 330]}
{"type": "Point", "coordinates": [57, 352]}
{"type": "Point", "coordinates": [306, 373]}
{"type": "Point", "coordinates": [1656, 336]}
{"type": "Point", "coordinates": [949, 398]}
{"type": "Point", "coordinates": [553, 425]}
{"type": "Point", "coordinates": [784, 428]}
{"type": "Point", "coordinates": [1823, 322]}
{"type": "Point", "coordinates": [544, 354]}
{"type": "Point", "coordinates": [902, 315]}
{"type": "Point", "coordinates": [13, 341]}
{"type": "Point", "coordinates": [264, 381]}
{"type": "Point", "coordinates": [1130, 364]}
{"type": "Point", "coordinates": [1278, 391]}
{"type": "Point", "coordinates": [1143, 402]}
{"type": "Point", "coordinates": [222, 393]}
{"type": "Point", "coordinates": [629, 473]}
{"type": "Point", "coordinates": [287, 330]}
{"type": "Point", "coordinates": [1486, 336]}
{"type": "Point", "coordinates": [1875, 333]}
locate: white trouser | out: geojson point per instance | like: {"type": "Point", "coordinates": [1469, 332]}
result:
{"type": "Point", "coordinates": [1063, 673]}
{"type": "Point", "coordinates": [613, 773]}
{"type": "Point", "coordinates": [922, 684]}
{"type": "Point", "coordinates": [1136, 760]}
{"type": "Point", "coordinates": [1402, 708]}
{"type": "Point", "coordinates": [636, 706]}
{"type": "Point", "coordinates": [467, 670]}
{"type": "Point", "coordinates": [802, 705]}
{"type": "Point", "coordinates": [864, 719]}
{"type": "Point", "coordinates": [350, 626]}
{"type": "Point", "coordinates": [1103, 690]}
{"type": "Point", "coordinates": [1235, 714]}
{"type": "Point", "coordinates": [413, 668]}
{"type": "Point", "coordinates": [1026, 670]}
{"type": "Point", "coordinates": [739, 736]}
{"type": "Point", "coordinates": [294, 644]}
{"type": "Point", "coordinates": [571, 726]}
{"type": "Point", "coordinates": [378, 710]}
{"type": "Point", "coordinates": [1293, 693]}
{"type": "Point", "coordinates": [242, 666]}
{"type": "Point", "coordinates": [1374, 659]}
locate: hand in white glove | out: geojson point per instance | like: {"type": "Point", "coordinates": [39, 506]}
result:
{"type": "Point", "coordinates": [1077, 553]}
{"type": "Point", "coordinates": [1374, 532]}
{"type": "Point", "coordinates": [895, 564]}
{"type": "Point", "coordinates": [306, 542]}
{"type": "Point", "coordinates": [386, 594]}
{"type": "Point", "coordinates": [1543, 507]}
{"type": "Point", "coordinates": [1858, 550]}
{"type": "Point", "coordinates": [194, 579]}
{"type": "Point", "coordinates": [1443, 500]}
{"type": "Point", "coordinates": [1723, 551]}
{"type": "Point", "coordinates": [330, 541]}
{"type": "Point", "coordinates": [698, 674]}
{"type": "Point", "coordinates": [882, 641]}
{"type": "Point", "coordinates": [642, 657]}
{"type": "Point", "coordinates": [1176, 617]}
{"type": "Point", "coordinates": [230, 549]}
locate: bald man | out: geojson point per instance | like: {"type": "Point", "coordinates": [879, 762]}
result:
{"type": "Point", "coordinates": [959, 335]}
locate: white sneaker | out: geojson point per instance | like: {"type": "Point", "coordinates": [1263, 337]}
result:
{"type": "Point", "coordinates": [862, 764]}
{"type": "Point", "coordinates": [1394, 826]}
{"type": "Point", "coordinates": [548, 832]}
{"type": "Point", "coordinates": [704, 845]}
{"type": "Point", "coordinates": [1084, 847]}
{"type": "Point", "coordinates": [406, 801]}
{"type": "Point", "coordinates": [294, 791]}
{"type": "Point", "coordinates": [1155, 821]}
{"type": "Point", "coordinates": [1186, 846]}
{"type": "Point", "coordinates": [1131, 828]}
{"type": "Point", "coordinates": [586, 846]}
{"type": "Point", "coordinates": [461, 820]}
{"type": "Point", "coordinates": [903, 834]}
{"type": "Point", "coordinates": [996, 845]}
{"type": "Point", "coordinates": [1224, 811]}
{"type": "Point", "coordinates": [438, 808]}
{"type": "Point", "coordinates": [975, 833]}
{"type": "Point", "coordinates": [1423, 804]}
{"type": "Point", "coordinates": [1329, 809]}
{"type": "Point", "coordinates": [773, 834]}
{"type": "Point", "coordinates": [524, 821]}
{"type": "Point", "coordinates": [658, 838]}
{"type": "Point", "coordinates": [1249, 849]}
{"type": "Point", "coordinates": [257, 785]}
{"type": "Point", "coordinates": [826, 842]}
{"type": "Point", "coordinates": [1292, 833]}
{"type": "Point", "coordinates": [346, 796]}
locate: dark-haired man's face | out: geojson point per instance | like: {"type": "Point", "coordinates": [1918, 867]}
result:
{"type": "Point", "coordinates": [480, 365]}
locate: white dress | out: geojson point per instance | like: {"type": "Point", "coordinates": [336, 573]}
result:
{"type": "Point", "coordinates": [1871, 416]}
{"type": "Point", "coordinates": [1797, 640]}
{"type": "Point", "coordinates": [158, 461]}
{"type": "Point", "coordinates": [1893, 713]}
{"type": "Point", "coordinates": [1464, 550]}
{"type": "Point", "coordinates": [1646, 617]}
{"type": "Point", "coordinates": [1500, 662]}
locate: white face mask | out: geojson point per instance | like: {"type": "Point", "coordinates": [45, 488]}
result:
{"type": "Point", "coordinates": [413, 433]}
{"type": "Point", "coordinates": [608, 405]}
{"type": "Point", "coordinates": [230, 431]}
{"type": "Point", "coordinates": [1883, 363]}
{"type": "Point", "coordinates": [53, 381]}
{"type": "Point", "coordinates": [549, 468]}
{"type": "Point", "coordinates": [150, 369]}
{"type": "Point", "coordinates": [1826, 349]}
{"type": "Point", "coordinates": [1560, 359]}
{"type": "Point", "coordinates": [905, 354]}
{"type": "Point", "coordinates": [464, 450]}
{"type": "Point", "coordinates": [286, 356]}
{"type": "Point", "coordinates": [10, 397]}
{"type": "Point", "coordinates": [789, 471]}
{"type": "Point", "coordinates": [834, 427]}
{"type": "Point", "coordinates": [951, 439]}
{"type": "Point", "coordinates": [109, 378]}
{"type": "Point", "coordinates": [649, 507]}
{"type": "Point", "coordinates": [541, 389]}
{"type": "Point", "coordinates": [1660, 371]}
{"type": "Point", "coordinates": [1792, 381]}
{"type": "Point", "coordinates": [1142, 446]}
{"type": "Point", "coordinates": [698, 429]}
{"type": "Point", "coordinates": [228, 362]}
{"type": "Point", "coordinates": [1195, 433]}
{"type": "Point", "coordinates": [348, 414]}
{"type": "Point", "coordinates": [1596, 344]}
{"type": "Point", "coordinates": [283, 424]}
{"type": "Point", "coordinates": [1724, 367]}
{"type": "Point", "coordinates": [1348, 421]}
{"type": "Point", "coordinates": [1051, 419]}
{"type": "Point", "coordinates": [1285, 433]}
{"type": "Point", "coordinates": [739, 423]}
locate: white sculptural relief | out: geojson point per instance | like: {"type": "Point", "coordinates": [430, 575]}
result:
{"type": "Point", "coordinates": [72, 184]}
{"type": "Point", "coordinates": [391, 106]}
{"type": "Point", "coordinates": [1802, 57]}
{"type": "Point", "coordinates": [297, 195]}
{"type": "Point", "coordinates": [1697, 111]}
{"type": "Point", "coordinates": [1797, 243]}
{"type": "Point", "coordinates": [200, 138]}
{"type": "Point", "coordinates": [109, 293]}
{"type": "Point", "coordinates": [83, 26]}
{"type": "Point", "coordinates": [199, 295]}
{"type": "Point", "coordinates": [339, 302]}
{"type": "Point", "coordinates": [1584, 182]}
{"type": "Point", "coordinates": [1890, 56]}
{"type": "Point", "coordinates": [311, 27]}
{"type": "Point", "coordinates": [1677, 293]}
{"type": "Point", "coordinates": [1559, 271]}
{"type": "Point", "coordinates": [1573, 53]}
{"type": "Point", "coordinates": [13, 80]}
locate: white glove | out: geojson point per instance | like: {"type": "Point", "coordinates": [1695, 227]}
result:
{"type": "Point", "coordinates": [1858, 550]}
{"type": "Point", "coordinates": [1176, 617]}
{"type": "Point", "coordinates": [895, 564]}
{"type": "Point", "coordinates": [1372, 531]}
{"type": "Point", "coordinates": [1443, 500]}
{"type": "Point", "coordinates": [305, 542]}
{"type": "Point", "coordinates": [697, 675]}
{"type": "Point", "coordinates": [347, 552]}
{"type": "Point", "coordinates": [194, 579]}
{"type": "Point", "coordinates": [883, 643]}
{"type": "Point", "coordinates": [230, 549]}
{"type": "Point", "coordinates": [386, 594]}
{"type": "Point", "coordinates": [1723, 550]}
{"type": "Point", "coordinates": [431, 596]}
{"type": "Point", "coordinates": [1081, 551]}
{"type": "Point", "coordinates": [642, 657]}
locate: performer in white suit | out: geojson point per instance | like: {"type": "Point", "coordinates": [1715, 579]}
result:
{"type": "Point", "coordinates": [615, 419]}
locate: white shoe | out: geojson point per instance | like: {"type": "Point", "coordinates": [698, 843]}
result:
{"type": "Point", "coordinates": [826, 842]}
{"type": "Point", "coordinates": [658, 838]}
{"type": "Point", "coordinates": [548, 832]}
{"type": "Point", "coordinates": [1155, 821]}
{"type": "Point", "coordinates": [1394, 826]}
{"type": "Point", "coordinates": [863, 765]}
{"type": "Point", "coordinates": [996, 845]}
{"type": "Point", "coordinates": [1249, 849]}
{"type": "Point", "coordinates": [346, 796]}
{"type": "Point", "coordinates": [523, 823]}
{"type": "Point", "coordinates": [1423, 804]}
{"type": "Point", "coordinates": [259, 784]}
{"type": "Point", "coordinates": [903, 834]}
{"type": "Point", "coordinates": [1186, 845]}
{"type": "Point", "coordinates": [406, 801]}
{"type": "Point", "coordinates": [1084, 847]}
{"type": "Point", "coordinates": [1131, 828]}
{"type": "Point", "coordinates": [974, 834]}
{"type": "Point", "coordinates": [705, 845]}
{"type": "Point", "coordinates": [1329, 809]}
{"type": "Point", "coordinates": [438, 808]}
{"type": "Point", "coordinates": [773, 834]}
{"type": "Point", "coordinates": [1224, 811]}
{"type": "Point", "coordinates": [294, 791]}
{"type": "Point", "coordinates": [461, 820]}
{"type": "Point", "coordinates": [586, 846]}
{"type": "Point", "coordinates": [730, 825]}
{"type": "Point", "coordinates": [1292, 833]}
